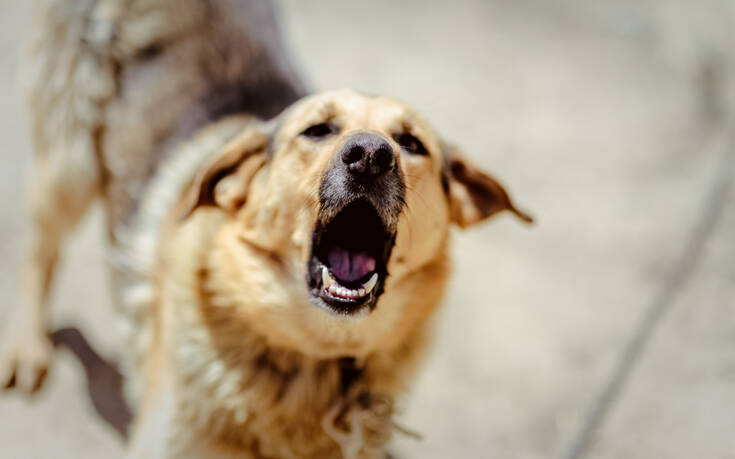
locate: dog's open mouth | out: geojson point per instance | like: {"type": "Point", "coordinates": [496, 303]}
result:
{"type": "Point", "coordinates": [347, 268]}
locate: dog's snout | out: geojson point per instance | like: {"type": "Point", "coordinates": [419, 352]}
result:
{"type": "Point", "coordinates": [365, 167]}
{"type": "Point", "coordinates": [368, 155]}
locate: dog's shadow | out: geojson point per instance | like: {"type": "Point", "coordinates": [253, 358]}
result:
{"type": "Point", "coordinates": [104, 380]}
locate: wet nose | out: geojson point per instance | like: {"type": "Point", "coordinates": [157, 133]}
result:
{"type": "Point", "coordinates": [367, 155]}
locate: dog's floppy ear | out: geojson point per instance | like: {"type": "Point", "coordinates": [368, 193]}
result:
{"type": "Point", "coordinates": [224, 181]}
{"type": "Point", "coordinates": [473, 194]}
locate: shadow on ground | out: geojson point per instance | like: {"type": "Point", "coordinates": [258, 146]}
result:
{"type": "Point", "coordinates": [104, 380]}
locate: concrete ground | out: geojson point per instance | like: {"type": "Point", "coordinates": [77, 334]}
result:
{"type": "Point", "coordinates": [607, 330]}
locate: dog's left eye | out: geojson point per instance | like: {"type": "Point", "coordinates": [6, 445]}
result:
{"type": "Point", "coordinates": [410, 143]}
{"type": "Point", "coordinates": [150, 52]}
{"type": "Point", "coordinates": [320, 131]}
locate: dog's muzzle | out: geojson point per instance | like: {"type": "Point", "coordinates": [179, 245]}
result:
{"type": "Point", "coordinates": [361, 198]}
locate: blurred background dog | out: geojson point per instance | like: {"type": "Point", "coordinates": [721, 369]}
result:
{"type": "Point", "coordinates": [623, 112]}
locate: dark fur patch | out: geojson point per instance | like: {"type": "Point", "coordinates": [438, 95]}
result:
{"type": "Point", "coordinates": [349, 373]}
{"type": "Point", "coordinates": [264, 99]}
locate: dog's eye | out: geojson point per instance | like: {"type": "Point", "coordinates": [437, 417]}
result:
{"type": "Point", "coordinates": [150, 52]}
{"type": "Point", "coordinates": [320, 131]}
{"type": "Point", "coordinates": [410, 143]}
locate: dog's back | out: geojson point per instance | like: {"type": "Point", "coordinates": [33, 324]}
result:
{"type": "Point", "coordinates": [114, 85]}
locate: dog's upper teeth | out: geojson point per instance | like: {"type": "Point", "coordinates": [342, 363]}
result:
{"type": "Point", "coordinates": [327, 280]}
{"type": "Point", "coordinates": [368, 286]}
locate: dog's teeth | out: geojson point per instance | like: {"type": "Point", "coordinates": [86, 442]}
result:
{"type": "Point", "coordinates": [333, 287]}
{"type": "Point", "coordinates": [368, 286]}
{"type": "Point", "coordinates": [327, 280]}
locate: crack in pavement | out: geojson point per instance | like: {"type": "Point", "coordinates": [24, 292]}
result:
{"type": "Point", "coordinates": [690, 258]}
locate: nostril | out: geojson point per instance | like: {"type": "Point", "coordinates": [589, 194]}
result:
{"type": "Point", "coordinates": [384, 159]}
{"type": "Point", "coordinates": [353, 155]}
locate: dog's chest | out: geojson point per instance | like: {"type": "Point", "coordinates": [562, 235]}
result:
{"type": "Point", "coordinates": [274, 403]}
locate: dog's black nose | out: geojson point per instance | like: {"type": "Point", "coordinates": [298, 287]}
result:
{"type": "Point", "coordinates": [368, 155]}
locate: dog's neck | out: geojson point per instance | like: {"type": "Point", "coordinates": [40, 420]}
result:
{"type": "Point", "coordinates": [237, 389]}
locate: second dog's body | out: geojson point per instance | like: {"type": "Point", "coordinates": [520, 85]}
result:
{"type": "Point", "coordinates": [277, 279]}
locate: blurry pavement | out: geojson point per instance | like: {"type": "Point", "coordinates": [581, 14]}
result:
{"type": "Point", "coordinates": [609, 122]}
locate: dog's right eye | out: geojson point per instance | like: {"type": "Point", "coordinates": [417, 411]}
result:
{"type": "Point", "coordinates": [320, 131]}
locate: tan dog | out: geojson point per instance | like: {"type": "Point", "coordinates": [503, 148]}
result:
{"type": "Point", "coordinates": [278, 278]}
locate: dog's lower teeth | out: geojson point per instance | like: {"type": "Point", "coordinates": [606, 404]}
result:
{"type": "Point", "coordinates": [331, 285]}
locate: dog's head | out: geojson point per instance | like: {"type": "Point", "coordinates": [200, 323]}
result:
{"type": "Point", "coordinates": [348, 197]}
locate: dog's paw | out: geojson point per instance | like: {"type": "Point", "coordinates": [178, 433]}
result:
{"type": "Point", "coordinates": [24, 360]}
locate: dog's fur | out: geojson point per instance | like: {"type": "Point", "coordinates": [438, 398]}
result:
{"type": "Point", "coordinates": [163, 109]}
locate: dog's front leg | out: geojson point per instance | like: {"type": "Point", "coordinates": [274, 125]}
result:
{"type": "Point", "coordinates": [25, 351]}
{"type": "Point", "coordinates": [59, 196]}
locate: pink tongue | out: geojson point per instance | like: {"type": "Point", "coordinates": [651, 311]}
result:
{"type": "Point", "coordinates": [349, 266]}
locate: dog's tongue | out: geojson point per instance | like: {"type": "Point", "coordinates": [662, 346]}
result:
{"type": "Point", "coordinates": [350, 266]}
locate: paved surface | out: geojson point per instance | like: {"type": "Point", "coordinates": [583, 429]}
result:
{"type": "Point", "coordinates": [607, 120]}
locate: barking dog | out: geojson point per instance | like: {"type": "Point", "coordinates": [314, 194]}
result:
{"type": "Point", "coordinates": [278, 256]}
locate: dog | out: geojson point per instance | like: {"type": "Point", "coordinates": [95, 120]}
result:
{"type": "Point", "coordinates": [277, 256]}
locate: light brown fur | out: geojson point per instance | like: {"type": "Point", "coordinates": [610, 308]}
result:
{"type": "Point", "coordinates": [227, 354]}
